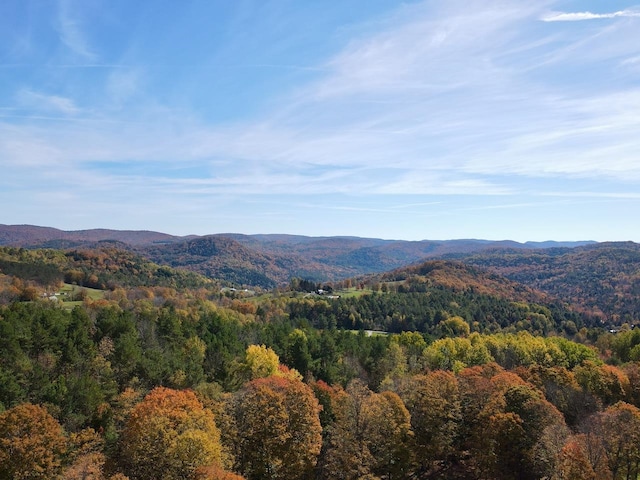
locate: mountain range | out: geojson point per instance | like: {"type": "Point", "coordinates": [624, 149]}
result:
{"type": "Point", "coordinates": [600, 279]}
{"type": "Point", "coordinates": [262, 260]}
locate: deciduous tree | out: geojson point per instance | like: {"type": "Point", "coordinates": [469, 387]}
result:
{"type": "Point", "coordinates": [31, 443]}
{"type": "Point", "coordinates": [370, 437]}
{"type": "Point", "coordinates": [620, 432]}
{"type": "Point", "coordinates": [608, 383]}
{"type": "Point", "coordinates": [169, 435]}
{"type": "Point", "coordinates": [261, 362]}
{"type": "Point", "coordinates": [279, 432]}
{"type": "Point", "coordinates": [433, 401]}
{"type": "Point", "coordinates": [573, 464]}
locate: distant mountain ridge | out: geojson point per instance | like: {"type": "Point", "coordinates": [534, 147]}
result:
{"type": "Point", "coordinates": [261, 260]}
{"type": "Point", "coordinates": [35, 236]}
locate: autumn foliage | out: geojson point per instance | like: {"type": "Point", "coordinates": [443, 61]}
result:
{"type": "Point", "coordinates": [279, 431]}
{"type": "Point", "coordinates": [467, 391]}
{"type": "Point", "coordinates": [169, 435]}
{"type": "Point", "coordinates": [31, 443]}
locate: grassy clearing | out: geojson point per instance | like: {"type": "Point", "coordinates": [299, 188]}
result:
{"type": "Point", "coordinates": [352, 292]}
{"type": "Point", "coordinates": [344, 293]}
{"type": "Point", "coordinates": [69, 295]}
{"type": "Point", "coordinates": [71, 291]}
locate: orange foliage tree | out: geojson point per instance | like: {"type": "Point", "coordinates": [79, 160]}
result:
{"type": "Point", "coordinates": [585, 446]}
{"type": "Point", "coordinates": [169, 435]}
{"type": "Point", "coordinates": [574, 464]}
{"type": "Point", "coordinates": [31, 443]}
{"type": "Point", "coordinates": [215, 472]}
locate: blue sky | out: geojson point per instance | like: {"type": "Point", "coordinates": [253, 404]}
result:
{"type": "Point", "coordinates": [404, 120]}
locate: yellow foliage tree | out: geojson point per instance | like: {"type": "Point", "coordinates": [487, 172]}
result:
{"type": "Point", "coordinates": [262, 362]}
{"type": "Point", "coordinates": [606, 382]}
{"type": "Point", "coordinates": [86, 458]}
{"type": "Point", "coordinates": [454, 327]}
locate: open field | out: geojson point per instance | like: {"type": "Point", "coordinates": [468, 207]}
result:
{"type": "Point", "coordinates": [70, 295]}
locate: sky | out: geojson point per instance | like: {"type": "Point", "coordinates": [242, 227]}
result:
{"type": "Point", "coordinates": [491, 119]}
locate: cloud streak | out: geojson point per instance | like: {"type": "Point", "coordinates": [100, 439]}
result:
{"type": "Point", "coordinates": [71, 32]}
{"type": "Point", "coordinates": [580, 16]}
{"type": "Point", "coordinates": [44, 102]}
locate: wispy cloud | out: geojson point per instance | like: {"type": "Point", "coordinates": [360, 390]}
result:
{"type": "Point", "coordinates": [434, 91]}
{"type": "Point", "coordinates": [437, 100]}
{"type": "Point", "coordinates": [44, 102]}
{"type": "Point", "coordinates": [632, 63]}
{"type": "Point", "coordinates": [594, 194]}
{"type": "Point", "coordinates": [579, 16]}
{"type": "Point", "coordinates": [419, 53]}
{"type": "Point", "coordinates": [71, 31]}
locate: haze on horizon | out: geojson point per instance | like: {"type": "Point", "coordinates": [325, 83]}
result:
{"type": "Point", "coordinates": [408, 120]}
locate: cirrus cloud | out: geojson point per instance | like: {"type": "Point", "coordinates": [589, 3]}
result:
{"type": "Point", "coordinates": [578, 16]}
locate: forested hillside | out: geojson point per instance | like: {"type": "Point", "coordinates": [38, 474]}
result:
{"type": "Point", "coordinates": [439, 370]}
{"type": "Point", "coordinates": [420, 297]}
{"type": "Point", "coordinates": [221, 257]}
{"type": "Point", "coordinates": [106, 267]}
{"type": "Point", "coordinates": [602, 279]}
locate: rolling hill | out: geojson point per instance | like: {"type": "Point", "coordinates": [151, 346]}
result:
{"type": "Point", "coordinates": [102, 268]}
{"type": "Point", "coordinates": [602, 279]}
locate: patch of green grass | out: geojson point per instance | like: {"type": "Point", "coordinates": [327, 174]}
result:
{"type": "Point", "coordinates": [69, 292]}
{"type": "Point", "coordinates": [71, 305]}
{"type": "Point", "coordinates": [352, 292]}
{"type": "Point", "coordinates": [68, 295]}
